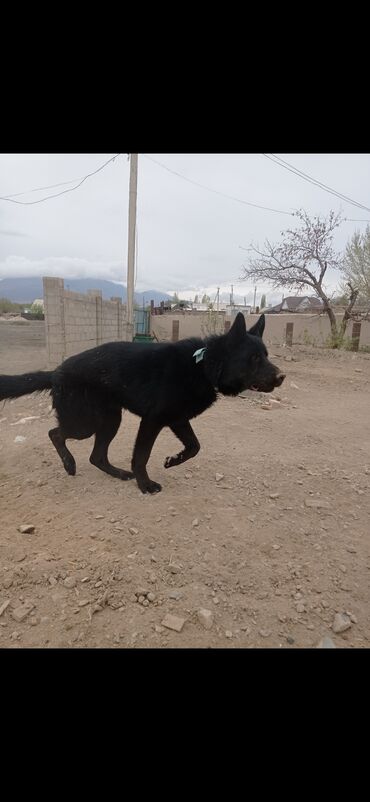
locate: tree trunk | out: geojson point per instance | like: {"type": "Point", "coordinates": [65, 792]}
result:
{"type": "Point", "coordinates": [348, 310]}
{"type": "Point", "coordinates": [333, 324]}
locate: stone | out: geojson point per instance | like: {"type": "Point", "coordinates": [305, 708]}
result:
{"type": "Point", "coordinates": [4, 605]}
{"type": "Point", "coordinates": [133, 530]}
{"type": "Point", "coordinates": [274, 495]}
{"type": "Point", "coordinates": [219, 476]}
{"type": "Point", "coordinates": [71, 582]}
{"type": "Point", "coordinates": [326, 643]}
{"type": "Point", "coordinates": [21, 612]}
{"type": "Point", "coordinates": [151, 596]}
{"type": "Point", "coordinates": [341, 623]}
{"type": "Point", "coordinates": [173, 622]}
{"type": "Point", "coordinates": [26, 529]}
{"type": "Point", "coordinates": [174, 568]}
{"type": "Point", "coordinates": [228, 633]}
{"type": "Point", "coordinates": [265, 633]}
{"type": "Point", "coordinates": [195, 522]}
{"type": "Point", "coordinates": [174, 594]}
{"type": "Point", "coordinates": [317, 504]}
{"type": "Point", "coordinates": [205, 617]}
{"type": "Point", "coordinates": [300, 607]}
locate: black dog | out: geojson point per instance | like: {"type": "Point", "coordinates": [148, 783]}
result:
{"type": "Point", "coordinates": [166, 384]}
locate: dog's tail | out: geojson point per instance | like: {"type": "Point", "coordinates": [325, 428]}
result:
{"type": "Point", "coordinates": [15, 386]}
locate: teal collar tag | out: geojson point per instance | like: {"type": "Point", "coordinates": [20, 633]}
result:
{"type": "Point", "coordinates": [199, 354]}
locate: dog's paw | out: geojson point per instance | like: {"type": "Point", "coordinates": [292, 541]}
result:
{"type": "Point", "coordinates": [150, 487]}
{"type": "Point", "coordinates": [171, 461]}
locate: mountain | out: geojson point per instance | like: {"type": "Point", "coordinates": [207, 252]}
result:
{"type": "Point", "coordinates": [25, 290]}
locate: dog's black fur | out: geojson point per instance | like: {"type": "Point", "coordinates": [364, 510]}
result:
{"type": "Point", "coordinates": [162, 383]}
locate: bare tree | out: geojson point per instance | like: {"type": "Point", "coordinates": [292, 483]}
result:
{"type": "Point", "coordinates": [301, 260]}
{"type": "Point", "coordinates": [356, 269]}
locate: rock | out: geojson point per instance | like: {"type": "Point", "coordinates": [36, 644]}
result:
{"type": "Point", "coordinates": [26, 529]}
{"type": "Point", "coordinates": [266, 406]}
{"type": "Point", "coordinates": [188, 475]}
{"type": "Point", "coordinates": [141, 599]}
{"type": "Point", "coordinates": [206, 618]}
{"type": "Point", "coordinates": [3, 606]}
{"type": "Point", "coordinates": [133, 530]}
{"type": "Point", "coordinates": [21, 612]}
{"type": "Point", "coordinates": [228, 633]}
{"type": "Point", "coordinates": [265, 633]}
{"type": "Point", "coordinates": [174, 568]}
{"type": "Point", "coordinates": [151, 596]}
{"type": "Point", "coordinates": [19, 438]}
{"type": "Point", "coordinates": [219, 476]}
{"type": "Point", "coordinates": [294, 386]}
{"type": "Point", "coordinates": [300, 607]}
{"type": "Point", "coordinates": [52, 581]}
{"type": "Point", "coordinates": [290, 639]}
{"type": "Point", "coordinates": [71, 582]}
{"type": "Point", "coordinates": [195, 522]}
{"type": "Point", "coordinates": [317, 504]}
{"type": "Point", "coordinates": [175, 594]}
{"type": "Point", "coordinates": [341, 623]}
{"type": "Point", "coordinates": [326, 643]}
{"type": "Point", "coordinates": [158, 628]}
{"type": "Point", "coordinates": [141, 592]}
{"type": "Point", "coordinates": [173, 622]}
{"type": "Point", "coordinates": [352, 616]}
{"type": "Point", "coordinates": [274, 495]}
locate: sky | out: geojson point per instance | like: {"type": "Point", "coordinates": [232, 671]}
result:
{"type": "Point", "coordinates": [189, 239]}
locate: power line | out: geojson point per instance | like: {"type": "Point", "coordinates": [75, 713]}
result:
{"type": "Point", "coordinates": [40, 189]}
{"type": "Point", "coordinates": [10, 199]}
{"type": "Point", "coordinates": [215, 191]}
{"type": "Point", "coordinates": [287, 166]}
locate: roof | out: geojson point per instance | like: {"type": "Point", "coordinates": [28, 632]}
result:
{"type": "Point", "coordinates": [296, 303]}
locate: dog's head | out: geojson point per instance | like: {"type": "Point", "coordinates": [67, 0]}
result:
{"type": "Point", "coordinates": [245, 363]}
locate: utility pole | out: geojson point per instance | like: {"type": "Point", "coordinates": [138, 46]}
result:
{"type": "Point", "coordinates": [254, 299]}
{"type": "Point", "coordinates": [218, 298]}
{"type": "Point", "coordinates": [131, 245]}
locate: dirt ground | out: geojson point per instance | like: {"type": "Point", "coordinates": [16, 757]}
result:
{"type": "Point", "coordinates": [272, 570]}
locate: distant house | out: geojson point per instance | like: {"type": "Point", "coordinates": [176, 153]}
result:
{"type": "Point", "coordinates": [294, 303]}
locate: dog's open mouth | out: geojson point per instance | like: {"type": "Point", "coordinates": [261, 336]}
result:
{"type": "Point", "coordinates": [254, 387]}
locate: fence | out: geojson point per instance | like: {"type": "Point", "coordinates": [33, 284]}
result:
{"type": "Point", "coordinates": [305, 329]}
{"type": "Point", "coordinates": [75, 322]}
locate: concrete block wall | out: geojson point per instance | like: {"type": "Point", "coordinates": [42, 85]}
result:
{"type": "Point", "coordinates": [75, 322]}
{"type": "Point", "coordinates": [307, 329]}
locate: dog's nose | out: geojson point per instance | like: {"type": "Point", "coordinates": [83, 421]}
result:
{"type": "Point", "coordinates": [279, 379]}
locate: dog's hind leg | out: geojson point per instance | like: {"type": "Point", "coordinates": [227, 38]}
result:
{"type": "Point", "coordinates": [59, 442]}
{"type": "Point", "coordinates": [103, 437]}
{"type": "Point", "coordinates": [185, 433]}
{"type": "Point", "coordinates": [147, 434]}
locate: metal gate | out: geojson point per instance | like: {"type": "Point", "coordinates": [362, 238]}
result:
{"type": "Point", "coordinates": [142, 321]}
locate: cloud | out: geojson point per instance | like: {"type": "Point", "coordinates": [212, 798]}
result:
{"type": "Point", "coordinates": [8, 232]}
{"type": "Point", "coordinates": [62, 267]}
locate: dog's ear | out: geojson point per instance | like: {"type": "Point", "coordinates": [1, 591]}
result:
{"type": "Point", "coordinates": [258, 327]}
{"type": "Point", "coordinates": [238, 330]}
